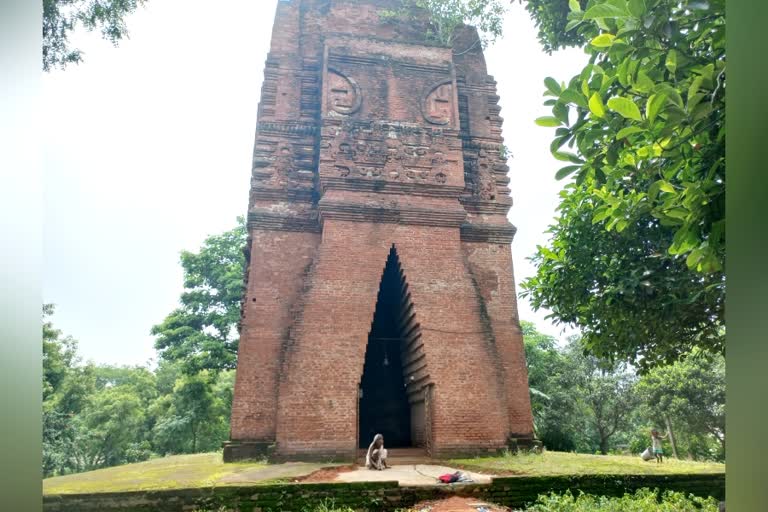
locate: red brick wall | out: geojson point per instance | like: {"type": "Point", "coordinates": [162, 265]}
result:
{"type": "Point", "coordinates": [278, 264]}
{"type": "Point", "coordinates": [491, 264]}
{"type": "Point", "coordinates": [318, 393]}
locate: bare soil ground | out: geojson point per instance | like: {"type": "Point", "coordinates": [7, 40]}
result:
{"type": "Point", "coordinates": [457, 504]}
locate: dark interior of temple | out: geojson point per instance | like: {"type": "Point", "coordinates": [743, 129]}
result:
{"type": "Point", "coordinates": [384, 407]}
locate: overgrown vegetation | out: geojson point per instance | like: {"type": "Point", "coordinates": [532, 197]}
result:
{"type": "Point", "coordinates": [644, 500]}
{"type": "Point", "coordinates": [443, 17]}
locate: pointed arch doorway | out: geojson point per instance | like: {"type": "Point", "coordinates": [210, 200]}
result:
{"type": "Point", "coordinates": [394, 371]}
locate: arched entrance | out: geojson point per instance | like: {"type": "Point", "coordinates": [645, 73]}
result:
{"type": "Point", "coordinates": [389, 402]}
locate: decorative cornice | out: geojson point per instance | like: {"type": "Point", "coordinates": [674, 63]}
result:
{"type": "Point", "coordinates": [473, 204]}
{"type": "Point", "coordinates": [390, 187]}
{"type": "Point", "coordinates": [493, 234]}
{"type": "Point", "coordinates": [279, 194]}
{"type": "Point", "coordinates": [286, 128]}
{"type": "Point", "coordinates": [356, 212]}
{"type": "Point", "coordinates": [269, 221]}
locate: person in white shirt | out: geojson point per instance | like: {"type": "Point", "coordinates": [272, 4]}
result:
{"type": "Point", "coordinates": [658, 451]}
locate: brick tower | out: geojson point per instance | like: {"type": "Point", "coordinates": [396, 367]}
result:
{"type": "Point", "coordinates": [380, 295]}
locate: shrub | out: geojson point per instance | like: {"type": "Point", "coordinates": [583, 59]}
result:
{"type": "Point", "coordinates": [644, 500]}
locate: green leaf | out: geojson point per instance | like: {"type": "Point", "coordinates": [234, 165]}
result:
{"type": "Point", "coordinates": [629, 130]}
{"type": "Point", "coordinates": [571, 96]}
{"type": "Point", "coordinates": [585, 88]}
{"type": "Point", "coordinates": [548, 121]}
{"type": "Point", "coordinates": [574, 5]}
{"type": "Point", "coordinates": [552, 85]}
{"type": "Point", "coordinates": [654, 105]}
{"type": "Point", "coordinates": [601, 214]}
{"type": "Point", "coordinates": [637, 8]}
{"type": "Point", "coordinates": [605, 11]}
{"type": "Point", "coordinates": [560, 110]}
{"type": "Point", "coordinates": [603, 41]}
{"type": "Point", "coordinates": [572, 24]}
{"type": "Point", "coordinates": [643, 83]}
{"type": "Point", "coordinates": [694, 257]}
{"type": "Point", "coordinates": [567, 157]}
{"type": "Point", "coordinates": [625, 107]}
{"type": "Point", "coordinates": [671, 62]}
{"type": "Point", "coordinates": [694, 88]}
{"type": "Point", "coordinates": [596, 105]}
{"type": "Point", "coordinates": [666, 186]}
{"type": "Point", "coordinates": [677, 213]}
{"type": "Point", "coordinates": [621, 225]}
{"type": "Point", "coordinates": [558, 142]}
{"type": "Point", "coordinates": [672, 93]}
{"type": "Point", "coordinates": [566, 171]}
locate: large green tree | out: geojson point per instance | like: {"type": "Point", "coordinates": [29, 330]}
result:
{"type": "Point", "coordinates": [636, 258]}
{"type": "Point", "coordinates": [688, 399]}
{"type": "Point", "coordinates": [202, 332]}
{"type": "Point", "coordinates": [61, 17]}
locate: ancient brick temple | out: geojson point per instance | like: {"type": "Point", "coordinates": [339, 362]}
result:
{"type": "Point", "coordinates": [380, 295]}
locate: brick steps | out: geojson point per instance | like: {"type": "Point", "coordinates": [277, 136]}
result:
{"type": "Point", "coordinates": [401, 456]}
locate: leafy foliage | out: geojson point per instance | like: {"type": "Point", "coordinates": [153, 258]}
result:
{"type": "Point", "coordinates": [61, 17]}
{"type": "Point", "coordinates": [99, 416]}
{"type": "Point", "coordinates": [646, 120]}
{"type": "Point", "coordinates": [202, 332]}
{"type": "Point", "coordinates": [669, 160]}
{"type": "Point", "coordinates": [644, 500]}
{"type": "Point", "coordinates": [551, 18]}
{"type": "Point", "coordinates": [588, 405]}
{"type": "Point", "coordinates": [629, 298]}
{"type": "Point", "coordinates": [445, 16]}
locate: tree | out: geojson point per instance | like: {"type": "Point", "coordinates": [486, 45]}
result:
{"type": "Point", "coordinates": [443, 17]}
{"type": "Point", "coordinates": [59, 354]}
{"type": "Point", "coordinates": [688, 399]}
{"type": "Point", "coordinates": [558, 418]}
{"type": "Point", "coordinates": [630, 301]}
{"type": "Point", "coordinates": [646, 120]}
{"type": "Point", "coordinates": [195, 417]}
{"type": "Point", "coordinates": [61, 17]}
{"type": "Point", "coordinates": [202, 332]}
{"type": "Point", "coordinates": [551, 18]}
{"type": "Point", "coordinates": [606, 392]}
{"type": "Point", "coordinates": [110, 428]}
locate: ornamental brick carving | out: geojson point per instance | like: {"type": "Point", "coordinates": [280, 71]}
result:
{"type": "Point", "coordinates": [344, 95]}
{"type": "Point", "coordinates": [438, 104]}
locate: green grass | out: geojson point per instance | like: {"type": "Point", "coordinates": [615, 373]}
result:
{"type": "Point", "coordinates": [176, 472]}
{"type": "Point", "coordinates": [562, 463]}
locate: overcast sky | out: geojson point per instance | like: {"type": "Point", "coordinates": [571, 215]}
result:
{"type": "Point", "coordinates": [148, 151]}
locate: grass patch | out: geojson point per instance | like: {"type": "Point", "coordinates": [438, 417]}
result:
{"type": "Point", "coordinates": [201, 470]}
{"type": "Point", "coordinates": [562, 463]}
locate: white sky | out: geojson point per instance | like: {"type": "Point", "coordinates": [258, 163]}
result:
{"type": "Point", "coordinates": [148, 150]}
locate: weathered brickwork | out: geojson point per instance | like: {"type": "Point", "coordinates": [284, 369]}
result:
{"type": "Point", "coordinates": [373, 143]}
{"type": "Point", "coordinates": [516, 492]}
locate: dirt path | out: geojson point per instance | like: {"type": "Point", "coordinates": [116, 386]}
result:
{"type": "Point", "coordinates": [458, 504]}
